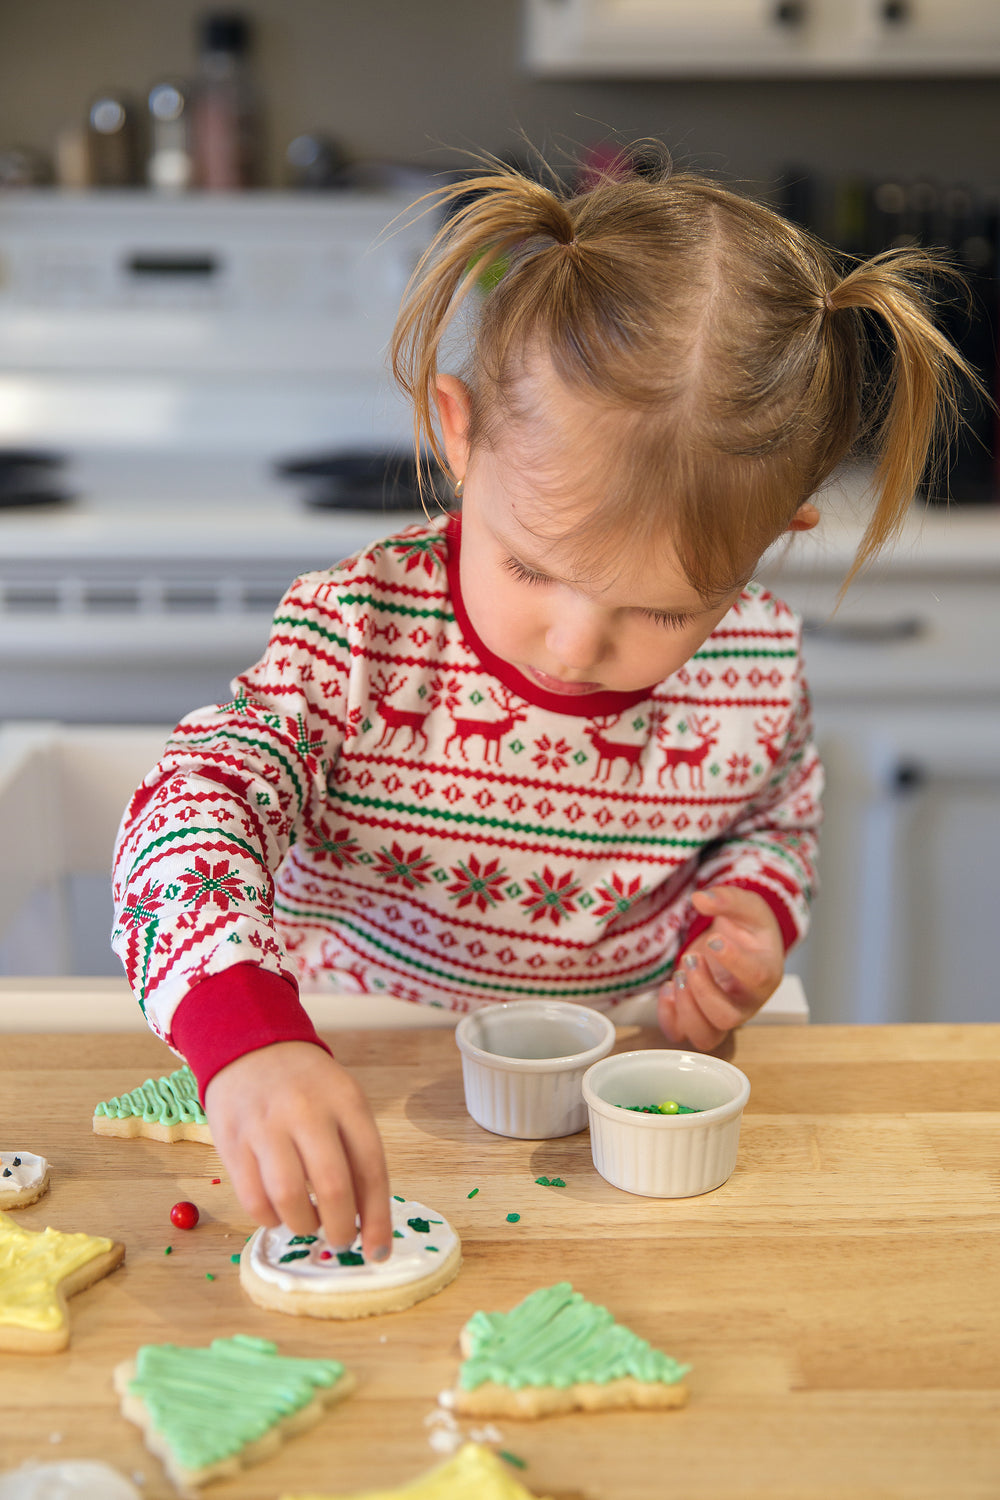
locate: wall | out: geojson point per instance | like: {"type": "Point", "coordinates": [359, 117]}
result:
{"type": "Point", "coordinates": [415, 79]}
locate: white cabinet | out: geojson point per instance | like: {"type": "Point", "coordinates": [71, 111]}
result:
{"type": "Point", "coordinates": [905, 679]}
{"type": "Point", "coordinates": [674, 38]}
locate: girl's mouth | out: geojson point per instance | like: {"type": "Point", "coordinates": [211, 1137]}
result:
{"type": "Point", "coordinates": [559, 685]}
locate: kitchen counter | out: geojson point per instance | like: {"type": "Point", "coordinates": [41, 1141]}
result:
{"type": "Point", "coordinates": [837, 1298]}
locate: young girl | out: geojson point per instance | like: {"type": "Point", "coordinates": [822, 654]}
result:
{"type": "Point", "coordinates": [556, 744]}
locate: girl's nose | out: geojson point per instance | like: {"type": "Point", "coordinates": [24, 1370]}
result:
{"type": "Point", "coordinates": [578, 634]}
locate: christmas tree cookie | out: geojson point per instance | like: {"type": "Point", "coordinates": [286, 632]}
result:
{"type": "Point", "coordinates": [165, 1109]}
{"type": "Point", "coordinates": [39, 1270]}
{"type": "Point", "coordinates": [474, 1473]}
{"type": "Point", "coordinates": [555, 1352]}
{"type": "Point", "coordinates": [210, 1412]}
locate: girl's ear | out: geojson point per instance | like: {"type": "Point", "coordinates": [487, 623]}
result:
{"type": "Point", "coordinates": [454, 412]}
{"type": "Point", "coordinates": [805, 518]}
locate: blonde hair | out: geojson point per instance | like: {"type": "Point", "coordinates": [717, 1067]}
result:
{"type": "Point", "coordinates": [725, 347]}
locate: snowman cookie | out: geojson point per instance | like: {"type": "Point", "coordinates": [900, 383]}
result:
{"type": "Point", "coordinates": [23, 1178]}
{"type": "Point", "coordinates": [304, 1275]}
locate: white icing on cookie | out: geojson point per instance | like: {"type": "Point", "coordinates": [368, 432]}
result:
{"type": "Point", "coordinates": [75, 1479]}
{"type": "Point", "coordinates": [315, 1267]}
{"type": "Point", "coordinates": [26, 1171]}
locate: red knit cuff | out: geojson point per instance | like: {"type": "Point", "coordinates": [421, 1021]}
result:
{"type": "Point", "coordinates": [789, 931]}
{"type": "Point", "coordinates": [241, 1010]}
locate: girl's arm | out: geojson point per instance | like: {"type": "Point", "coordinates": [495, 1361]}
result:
{"type": "Point", "coordinates": [752, 898]}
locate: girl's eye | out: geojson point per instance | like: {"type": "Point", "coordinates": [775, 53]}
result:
{"type": "Point", "coordinates": [521, 573]}
{"type": "Point", "coordinates": [669, 622]}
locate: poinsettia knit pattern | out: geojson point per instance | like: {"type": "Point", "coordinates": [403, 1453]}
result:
{"type": "Point", "coordinates": [383, 805]}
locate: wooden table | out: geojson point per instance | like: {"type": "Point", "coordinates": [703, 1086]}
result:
{"type": "Point", "coordinates": [839, 1297]}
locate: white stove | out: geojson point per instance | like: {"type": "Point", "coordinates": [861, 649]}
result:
{"type": "Point", "coordinates": [159, 360]}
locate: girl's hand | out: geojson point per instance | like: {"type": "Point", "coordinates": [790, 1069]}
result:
{"type": "Point", "coordinates": [288, 1117]}
{"type": "Point", "coordinates": [727, 973]}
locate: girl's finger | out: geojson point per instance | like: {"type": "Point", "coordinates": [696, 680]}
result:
{"type": "Point", "coordinates": [329, 1174]}
{"type": "Point", "coordinates": [371, 1191]}
{"type": "Point", "coordinates": [284, 1179]}
{"type": "Point", "coordinates": [721, 1010]}
{"type": "Point", "coordinates": [697, 1028]}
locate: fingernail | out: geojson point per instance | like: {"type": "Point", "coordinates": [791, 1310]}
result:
{"type": "Point", "coordinates": [680, 981]}
{"type": "Point", "coordinates": [382, 1252]}
{"type": "Point", "coordinates": [716, 944]}
{"type": "Point", "coordinates": [690, 960]}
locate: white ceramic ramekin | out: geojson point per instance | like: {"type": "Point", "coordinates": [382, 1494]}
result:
{"type": "Point", "coordinates": [523, 1064]}
{"type": "Point", "coordinates": [665, 1156]}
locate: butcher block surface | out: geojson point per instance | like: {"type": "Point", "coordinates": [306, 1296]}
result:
{"type": "Point", "coordinates": [838, 1298]}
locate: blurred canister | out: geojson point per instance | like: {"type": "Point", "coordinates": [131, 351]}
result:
{"type": "Point", "coordinates": [169, 166]}
{"type": "Point", "coordinates": [224, 107]}
{"type": "Point", "coordinates": [113, 141]}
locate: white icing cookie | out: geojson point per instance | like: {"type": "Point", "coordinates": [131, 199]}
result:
{"type": "Point", "coordinates": [303, 1274]}
{"type": "Point", "coordinates": [76, 1479]}
{"type": "Point", "coordinates": [23, 1178]}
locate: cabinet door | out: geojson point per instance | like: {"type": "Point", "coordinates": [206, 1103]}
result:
{"type": "Point", "coordinates": [706, 38]}
{"type": "Point", "coordinates": [904, 923]}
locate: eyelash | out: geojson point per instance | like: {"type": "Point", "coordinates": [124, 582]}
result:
{"type": "Point", "coordinates": [659, 617]}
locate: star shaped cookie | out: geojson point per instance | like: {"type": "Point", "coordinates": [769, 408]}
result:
{"type": "Point", "coordinates": [39, 1270]}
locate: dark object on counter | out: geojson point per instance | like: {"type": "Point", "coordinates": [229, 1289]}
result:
{"type": "Point", "coordinates": [26, 478]}
{"type": "Point", "coordinates": [315, 161]}
{"type": "Point", "coordinates": [359, 479]}
{"type": "Point", "coordinates": [169, 165]}
{"type": "Point", "coordinates": [23, 166]}
{"type": "Point", "coordinates": [225, 114]}
{"type": "Point", "coordinates": [113, 140]}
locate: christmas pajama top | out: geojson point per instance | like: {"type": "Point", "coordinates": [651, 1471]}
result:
{"type": "Point", "coordinates": [384, 805]}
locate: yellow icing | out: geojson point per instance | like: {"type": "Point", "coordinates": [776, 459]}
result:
{"type": "Point", "coordinates": [475, 1473]}
{"type": "Point", "coordinates": [32, 1263]}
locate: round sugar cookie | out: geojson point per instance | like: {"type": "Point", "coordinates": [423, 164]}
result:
{"type": "Point", "coordinates": [305, 1276]}
{"type": "Point", "coordinates": [23, 1178]}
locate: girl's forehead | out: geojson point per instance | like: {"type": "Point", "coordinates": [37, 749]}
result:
{"type": "Point", "coordinates": [547, 533]}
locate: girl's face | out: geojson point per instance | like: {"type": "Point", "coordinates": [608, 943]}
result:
{"type": "Point", "coordinates": [566, 633]}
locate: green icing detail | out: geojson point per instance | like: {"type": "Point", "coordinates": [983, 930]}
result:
{"type": "Point", "coordinates": [420, 1226]}
{"type": "Point", "coordinates": [350, 1258]}
{"type": "Point", "coordinates": [209, 1403]}
{"type": "Point", "coordinates": [556, 1337]}
{"type": "Point", "coordinates": [293, 1255]}
{"type": "Point", "coordinates": [169, 1100]}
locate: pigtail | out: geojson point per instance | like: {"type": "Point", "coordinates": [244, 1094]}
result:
{"type": "Point", "coordinates": [919, 410]}
{"type": "Point", "coordinates": [495, 213]}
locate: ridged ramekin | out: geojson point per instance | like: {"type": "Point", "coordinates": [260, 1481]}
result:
{"type": "Point", "coordinates": [665, 1156]}
{"type": "Point", "coordinates": [523, 1064]}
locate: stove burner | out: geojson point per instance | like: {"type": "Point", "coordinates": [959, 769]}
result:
{"type": "Point", "coordinates": [26, 478]}
{"type": "Point", "coordinates": [359, 480]}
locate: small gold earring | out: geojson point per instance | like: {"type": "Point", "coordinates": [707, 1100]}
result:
{"type": "Point", "coordinates": [459, 488]}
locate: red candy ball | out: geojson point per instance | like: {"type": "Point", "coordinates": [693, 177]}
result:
{"type": "Point", "coordinates": [184, 1215]}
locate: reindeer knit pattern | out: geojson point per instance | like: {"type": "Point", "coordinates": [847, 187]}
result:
{"type": "Point", "coordinates": [383, 806]}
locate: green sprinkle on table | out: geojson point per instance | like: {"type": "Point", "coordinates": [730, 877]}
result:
{"type": "Point", "coordinates": [235, 1259]}
{"type": "Point", "coordinates": [512, 1458]}
{"type": "Point", "coordinates": [473, 1193]}
{"type": "Point", "coordinates": [169, 1250]}
{"type": "Point", "coordinates": [513, 1218]}
{"type": "Point", "coordinates": [550, 1182]}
